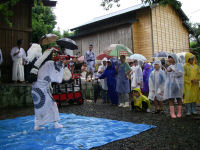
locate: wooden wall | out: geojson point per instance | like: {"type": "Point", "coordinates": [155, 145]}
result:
{"type": "Point", "coordinates": [21, 29]}
{"type": "Point", "coordinates": [142, 35]}
{"type": "Point", "coordinates": [101, 40]}
{"type": "Point", "coordinates": [168, 31]}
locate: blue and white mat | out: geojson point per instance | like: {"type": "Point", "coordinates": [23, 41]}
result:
{"type": "Point", "coordinates": [79, 132]}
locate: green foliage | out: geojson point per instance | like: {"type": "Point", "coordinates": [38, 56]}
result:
{"type": "Point", "coordinates": [107, 4]}
{"type": "Point", "coordinates": [67, 34]}
{"type": "Point", "coordinates": [43, 21]}
{"type": "Point", "coordinates": [195, 44]}
{"type": "Point", "coordinates": [6, 12]}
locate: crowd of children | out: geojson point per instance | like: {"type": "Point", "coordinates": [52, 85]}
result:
{"type": "Point", "coordinates": [157, 82]}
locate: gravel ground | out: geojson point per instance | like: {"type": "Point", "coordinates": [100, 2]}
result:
{"type": "Point", "coordinates": [170, 134]}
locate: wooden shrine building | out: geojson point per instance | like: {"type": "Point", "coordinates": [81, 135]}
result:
{"type": "Point", "coordinates": [21, 29]}
{"type": "Point", "coordinates": [143, 29]}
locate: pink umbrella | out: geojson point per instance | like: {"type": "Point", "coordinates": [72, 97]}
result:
{"type": "Point", "coordinates": [103, 55]}
{"type": "Point", "coordinates": [81, 58]}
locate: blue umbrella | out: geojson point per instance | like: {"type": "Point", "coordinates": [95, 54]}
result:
{"type": "Point", "coordinates": [161, 54]}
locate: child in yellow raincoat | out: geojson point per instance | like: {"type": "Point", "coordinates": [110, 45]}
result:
{"type": "Point", "coordinates": [191, 83]}
{"type": "Point", "coordinates": [140, 102]}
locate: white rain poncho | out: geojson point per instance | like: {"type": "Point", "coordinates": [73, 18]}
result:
{"type": "Point", "coordinates": [18, 67]}
{"type": "Point", "coordinates": [45, 107]}
{"type": "Point", "coordinates": [136, 77]}
{"type": "Point", "coordinates": [174, 80]}
{"type": "Point", "coordinates": [103, 81]}
{"type": "Point", "coordinates": [157, 83]}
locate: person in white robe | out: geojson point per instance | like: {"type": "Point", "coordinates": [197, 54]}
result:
{"type": "Point", "coordinates": [156, 87]}
{"type": "Point", "coordinates": [103, 82]}
{"type": "Point", "coordinates": [136, 76]}
{"type": "Point", "coordinates": [46, 110]}
{"type": "Point", "coordinates": [19, 57]}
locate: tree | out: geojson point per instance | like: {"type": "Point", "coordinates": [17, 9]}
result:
{"type": "Point", "coordinates": [43, 21]}
{"type": "Point", "coordinates": [107, 4]}
{"type": "Point", "coordinates": [6, 12]}
{"type": "Point", "coordinates": [67, 33]}
{"type": "Point", "coordinates": [195, 42]}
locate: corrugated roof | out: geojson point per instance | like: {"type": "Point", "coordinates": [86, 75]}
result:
{"type": "Point", "coordinates": [120, 12]}
{"type": "Point", "coordinates": [124, 11]}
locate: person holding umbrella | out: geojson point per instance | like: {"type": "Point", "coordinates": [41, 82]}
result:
{"type": "Point", "coordinates": [90, 59]}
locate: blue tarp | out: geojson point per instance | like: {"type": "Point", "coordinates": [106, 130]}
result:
{"type": "Point", "coordinates": [79, 132]}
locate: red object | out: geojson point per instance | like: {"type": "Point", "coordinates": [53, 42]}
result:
{"type": "Point", "coordinates": [61, 57]}
{"type": "Point", "coordinates": [81, 58]}
{"type": "Point", "coordinates": [103, 55]}
{"type": "Point", "coordinates": [76, 76]}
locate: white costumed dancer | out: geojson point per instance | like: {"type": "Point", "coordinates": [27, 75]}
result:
{"type": "Point", "coordinates": [46, 110]}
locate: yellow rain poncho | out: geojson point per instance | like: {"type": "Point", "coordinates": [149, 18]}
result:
{"type": "Point", "coordinates": [138, 101]}
{"type": "Point", "coordinates": [191, 73]}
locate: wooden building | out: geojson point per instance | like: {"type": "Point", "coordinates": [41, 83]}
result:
{"type": "Point", "coordinates": [143, 29]}
{"type": "Point", "coordinates": [21, 29]}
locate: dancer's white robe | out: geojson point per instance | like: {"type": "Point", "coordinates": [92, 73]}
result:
{"type": "Point", "coordinates": [18, 67]}
{"type": "Point", "coordinates": [45, 108]}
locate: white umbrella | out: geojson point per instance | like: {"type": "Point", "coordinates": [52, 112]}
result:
{"type": "Point", "coordinates": [48, 38]}
{"type": "Point", "coordinates": [138, 57]}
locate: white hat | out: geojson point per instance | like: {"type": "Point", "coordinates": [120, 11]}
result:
{"type": "Point", "coordinates": [104, 59]}
{"type": "Point", "coordinates": [109, 60]}
{"type": "Point", "coordinates": [158, 62]}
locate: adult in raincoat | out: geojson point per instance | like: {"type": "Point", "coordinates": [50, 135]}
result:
{"type": "Point", "coordinates": [110, 74]}
{"type": "Point", "coordinates": [174, 84]}
{"type": "Point", "coordinates": [136, 76]}
{"type": "Point", "coordinates": [191, 83]}
{"type": "Point", "coordinates": [103, 82]}
{"type": "Point", "coordinates": [146, 73]}
{"type": "Point", "coordinates": [123, 85]}
{"type": "Point", "coordinates": [156, 86]}
{"type": "Point", "coordinates": [140, 102]}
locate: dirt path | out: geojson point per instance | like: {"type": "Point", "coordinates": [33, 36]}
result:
{"type": "Point", "coordinates": [170, 134]}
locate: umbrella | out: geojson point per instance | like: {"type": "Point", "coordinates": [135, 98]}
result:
{"type": "Point", "coordinates": [67, 43]}
{"type": "Point", "coordinates": [48, 38]}
{"type": "Point", "coordinates": [161, 54]}
{"type": "Point", "coordinates": [81, 58]}
{"type": "Point", "coordinates": [103, 55]}
{"type": "Point", "coordinates": [117, 50]}
{"type": "Point", "coordinates": [138, 57]}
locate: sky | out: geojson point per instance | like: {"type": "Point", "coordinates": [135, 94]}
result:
{"type": "Point", "coordinates": [73, 13]}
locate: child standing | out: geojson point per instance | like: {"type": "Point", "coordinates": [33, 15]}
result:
{"type": "Point", "coordinates": [174, 85]}
{"type": "Point", "coordinates": [123, 86]}
{"type": "Point", "coordinates": [156, 87]}
{"type": "Point", "coordinates": [136, 76]}
{"type": "Point", "coordinates": [140, 102]}
{"type": "Point", "coordinates": [191, 81]}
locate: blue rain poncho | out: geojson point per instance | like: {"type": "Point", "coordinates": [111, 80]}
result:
{"type": "Point", "coordinates": [157, 83]}
{"type": "Point", "coordinates": [109, 74]}
{"type": "Point", "coordinates": [174, 80]}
